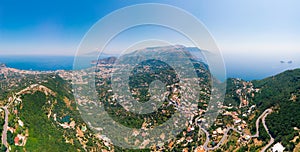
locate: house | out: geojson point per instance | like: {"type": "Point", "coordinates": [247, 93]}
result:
{"type": "Point", "coordinates": [65, 125]}
{"type": "Point", "coordinates": [20, 122]}
{"type": "Point", "coordinates": [220, 131]}
{"type": "Point", "coordinates": [247, 137]}
{"type": "Point", "coordinates": [171, 144]}
{"type": "Point", "coordinates": [190, 128]}
{"type": "Point", "coordinates": [72, 124]}
{"type": "Point", "coordinates": [236, 121]}
{"type": "Point", "coordinates": [12, 130]}
{"type": "Point", "coordinates": [215, 132]}
{"type": "Point", "coordinates": [199, 149]}
{"type": "Point", "coordinates": [185, 150]}
{"type": "Point", "coordinates": [16, 140]}
{"type": "Point", "coordinates": [20, 140]}
{"type": "Point", "coordinates": [277, 148]}
{"type": "Point", "coordinates": [189, 139]}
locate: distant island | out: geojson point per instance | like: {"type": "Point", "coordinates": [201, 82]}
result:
{"type": "Point", "coordinates": [289, 62]}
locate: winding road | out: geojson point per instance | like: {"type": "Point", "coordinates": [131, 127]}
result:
{"type": "Point", "coordinates": [221, 141]}
{"type": "Point", "coordinates": [271, 138]}
{"type": "Point", "coordinates": [33, 87]}
{"type": "Point", "coordinates": [261, 117]}
{"type": "Point", "coordinates": [5, 126]}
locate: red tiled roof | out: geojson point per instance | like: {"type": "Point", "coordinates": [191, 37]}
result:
{"type": "Point", "coordinates": [16, 140]}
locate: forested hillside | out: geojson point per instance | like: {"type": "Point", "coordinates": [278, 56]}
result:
{"type": "Point", "coordinates": [282, 92]}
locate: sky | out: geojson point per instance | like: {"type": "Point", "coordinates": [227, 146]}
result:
{"type": "Point", "coordinates": [243, 30]}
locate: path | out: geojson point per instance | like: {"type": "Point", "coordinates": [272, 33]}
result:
{"type": "Point", "coordinates": [271, 138]}
{"type": "Point", "coordinates": [5, 126]}
{"type": "Point", "coordinates": [261, 117]}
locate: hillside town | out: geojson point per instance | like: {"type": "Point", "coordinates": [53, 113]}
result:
{"type": "Point", "coordinates": [238, 125]}
{"type": "Point", "coordinates": [231, 126]}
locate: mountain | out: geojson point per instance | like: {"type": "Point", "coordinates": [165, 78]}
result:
{"type": "Point", "coordinates": [108, 60]}
{"type": "Point", "coordinates": [43, 117]}
{"type": "Point", "coordinates": [97, 53]}
{"type": "Point", "coordinates": [193, 53]}
{"type": "Point", "coordinates": [168, 51]}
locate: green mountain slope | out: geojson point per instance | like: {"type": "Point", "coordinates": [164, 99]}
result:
{"type": "Point", "coordinates": [51, 121]}
{"type": "Point", "coordinates": [282, 92]}
{"type": "Point", "coordinates": [43, 135]}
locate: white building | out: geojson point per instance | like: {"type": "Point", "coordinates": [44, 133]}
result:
{"type": "Point", "coordinates": [20, 123]}
{"type": "Point", "coordinates": [277, 148]}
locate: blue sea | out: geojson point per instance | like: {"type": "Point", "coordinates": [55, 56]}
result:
{"type": "Point", "coordinates": [40, 63]}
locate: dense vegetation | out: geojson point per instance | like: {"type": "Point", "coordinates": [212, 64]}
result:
{"type": "Point", "coordinates": [43, 134]}
{"type": "Point", "coordinates": [282, 93]}
{"type": "Point", "coordinates": [231, 97]}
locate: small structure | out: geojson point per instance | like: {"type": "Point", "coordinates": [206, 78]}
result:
{"type": "Point", "coordinates": [277, 148]}
{"type": "Point", "coordinates": [20, 122]}
{"type": "Point", "coordinates": [20, 140]}
{"type": "Point", "coordinates": [72, 124]}
{"type": "Point", "coordinates": [247, 137]}
{"type": "Point", "coordinates": [16, 140]}
{"type": "Point", "coordinates": [236, 121]}
{"type": "Point", "coordinates": [220, 131]}
{"type": "Point", "coordinates": [199, 149]}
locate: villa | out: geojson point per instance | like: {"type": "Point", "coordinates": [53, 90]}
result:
{"type": "Point", "coordinates": [277, 148]}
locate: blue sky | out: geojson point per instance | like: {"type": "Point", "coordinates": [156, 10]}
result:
{"type": "Point", "coordinates": [240, 28]}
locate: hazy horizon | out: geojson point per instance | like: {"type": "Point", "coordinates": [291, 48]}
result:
{"type": "Point", "coordinates": [249, 34]}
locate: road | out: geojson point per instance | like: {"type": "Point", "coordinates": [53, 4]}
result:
{"type": "Point", "coordinates": [271, 138]}
{"type": "Point", "coordinates": [5, 126]}
{"type": "Point", "coordinates": [261, 117]}
{"type": "Point", "coordinates": [221, 141]}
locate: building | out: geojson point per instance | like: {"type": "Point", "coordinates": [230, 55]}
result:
{"type": "Point", "coordinates": [20, 122]}
{"type": "Point", "coordinates": [277, 148]}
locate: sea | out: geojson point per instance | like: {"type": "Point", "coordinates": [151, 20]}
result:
{"type": "Point", "coordinates": [42, 63]}
{"type": "Point", "coordinates": [53, 63]}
